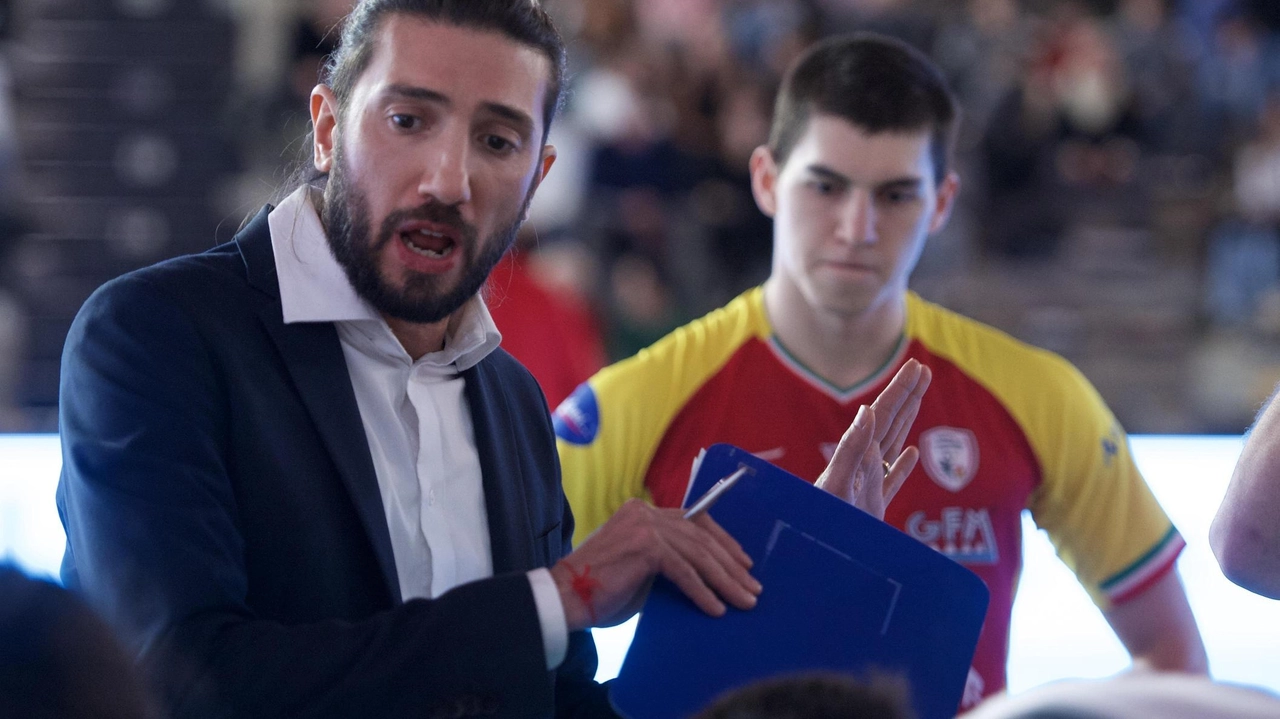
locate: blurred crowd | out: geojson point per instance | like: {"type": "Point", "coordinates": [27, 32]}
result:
{"type": "Point", "coordinates": [1146, 131]}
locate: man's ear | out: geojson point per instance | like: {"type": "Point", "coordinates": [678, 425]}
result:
{"type": "Point", "coordinates": [324, 125]}
{"type": "Point", "coordinates": [545, 161]}
{"type": "Point", "coordinates": [764, 180]}
{"type": "Point", "coordinates": [945, 202]}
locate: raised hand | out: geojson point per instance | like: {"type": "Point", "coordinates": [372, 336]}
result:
{"type": "Point", "coordinates": [604, 581]}
{"type": "Point", "coordinates": [870, 465]}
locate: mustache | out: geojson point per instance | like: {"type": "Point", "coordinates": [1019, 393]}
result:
{"type": "Point", "coordinates": [430, 211]}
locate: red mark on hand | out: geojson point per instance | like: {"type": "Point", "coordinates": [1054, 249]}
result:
{"type": "Point", "coordinates": [585, 586]}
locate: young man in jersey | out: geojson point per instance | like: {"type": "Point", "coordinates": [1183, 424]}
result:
{"type": "Point", "coordinates": [856, 177]}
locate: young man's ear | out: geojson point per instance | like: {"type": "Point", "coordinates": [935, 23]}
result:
{"type": "Point", "coordinates": [324, 125]}
{"type": "Point", "coordinates": [764, 180]}
{"type": "Point", "coordinates": [945, 202]}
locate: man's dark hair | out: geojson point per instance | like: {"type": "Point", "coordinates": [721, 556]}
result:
{"type": "Point", "coordinates": [877, 83]}
{"type": "Point", "coordinates": [815, 696]}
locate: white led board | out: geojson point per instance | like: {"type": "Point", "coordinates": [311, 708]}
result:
{"type": "Point", "coordinates": [1056, 633]}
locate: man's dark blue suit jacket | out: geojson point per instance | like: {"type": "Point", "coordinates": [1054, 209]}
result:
{"type": "Point", "coordinates": [222, 511]}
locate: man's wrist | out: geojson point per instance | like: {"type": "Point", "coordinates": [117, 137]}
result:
{"type": "Point", "coordinates": [577, 613]}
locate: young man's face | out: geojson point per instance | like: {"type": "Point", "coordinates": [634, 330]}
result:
{"type": "Point", "coordinates": [851, 212]}
{"type": "Point", "coordinates": [431, 162]}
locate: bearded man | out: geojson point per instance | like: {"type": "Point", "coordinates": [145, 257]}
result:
{"type": "Point", "coordinates": [299, 476]}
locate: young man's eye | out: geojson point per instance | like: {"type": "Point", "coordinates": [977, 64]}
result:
{"type": "Point", "coordinates": [498, 144]}
{"type": "Point", "coordinates": [822, 187]}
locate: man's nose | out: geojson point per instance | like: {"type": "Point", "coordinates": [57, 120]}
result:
{"type": "Point", "coordinates": [858, 218]}
{"type": "Point", "coordinates": [446, 176]}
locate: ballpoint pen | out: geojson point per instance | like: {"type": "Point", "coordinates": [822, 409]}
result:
{"type": "Point", "coordinates": [717, 490]}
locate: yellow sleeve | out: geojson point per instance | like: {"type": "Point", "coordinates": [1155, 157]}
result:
{"type": "Point", "coordinates": [1099, 513]}
{"type": "Point", "coordinates": [608, 430]}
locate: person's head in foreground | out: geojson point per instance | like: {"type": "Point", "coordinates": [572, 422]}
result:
{"type": "Point", "coordinates": [58, 659]}
{"type": "Point", "coordinates": [1138, 695]}
{"type": "Point", "coordinates": [815, 696]}
{"type": "Point", "coordinates": [429, 141]}
{"type": "Point", "coordinates": [857, 172]}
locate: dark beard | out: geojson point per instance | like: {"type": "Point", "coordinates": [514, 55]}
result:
{"type": "Point", "coordinates": [347, 225]}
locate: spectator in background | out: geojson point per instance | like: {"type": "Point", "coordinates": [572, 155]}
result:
{"type": "Point", "coordinates": [821, 696]}
{"type": "Point", "coordinates": [546, 325]}
{"type": "Point", "coordinates": [1243, 258]}
{"type": "Point", "coordinates": [1023, 216]}
{"type": "Point", "coordinates": [1234, 75]}
{"type": "Point", "coordinates": [1245, 534]}
{"type": "Point", "coordinates": [982, 52]}
{"type": "Point", "coordinates": [1257, 167]}
{"type": "Point", "coordinates": [641, 308]}
{"type": "Point", "coordinates": [58, 660]}
{"type": "Point", "coordinates": [1098, 125]}
{"type": "Point", "coordinates": [1160, 55]}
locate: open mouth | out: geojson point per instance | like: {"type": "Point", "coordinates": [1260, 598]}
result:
{"type": "Point", "coordinates": [432, 245]}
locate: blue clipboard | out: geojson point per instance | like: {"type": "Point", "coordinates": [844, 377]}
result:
{"type": "Point", "coordinates": [843, 592]}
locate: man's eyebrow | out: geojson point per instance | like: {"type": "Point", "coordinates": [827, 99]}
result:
{"type": "Point", "coordinates": [417, 93]}
{"type": "Point", "coordinates": [827, 173]}
{"type": "Point", "coordinates": [520, 119]}
{"type": "Point", "coordinates": [900, 183]}
{"type": "Point", "coordinates": [903, 183]}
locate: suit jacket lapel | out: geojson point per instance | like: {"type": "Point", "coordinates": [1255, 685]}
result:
{"type": "Point", "coordinates": [313, 354]}
{"type": "Point", "coordinates": [510, 530]}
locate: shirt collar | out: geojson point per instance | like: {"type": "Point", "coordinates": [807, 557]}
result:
{"type": "Point", "coordinates": [315, 288]}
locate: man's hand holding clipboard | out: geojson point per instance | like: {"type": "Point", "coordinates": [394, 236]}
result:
{"type": "Point", "coordinates": [605, 580]}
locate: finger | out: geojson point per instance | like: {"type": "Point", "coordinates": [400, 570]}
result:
{"type": "Point", "coordinates": [898, 473]}
{"type": "Point", "coordinates": [837, 478]}
{"type": "Point", "coordinates": [724, 539]}
{"type": "Point", "coordinates": [867, 487]}
{"type": "Point", "coordinates": [910, 390]}
{"type": "Point", "coordinates": [704, 548]}
{"type": "Point", "coordinates": [901, 426]}
{"type": "Point", "coordinates": [716, 568]}
{"type": "Point", "coordinates": [892, 398]}
{"type": "Point", "coordinates": [683, 574]}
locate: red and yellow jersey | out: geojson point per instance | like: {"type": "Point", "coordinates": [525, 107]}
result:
{"type": "Point", "coordinates": [1003, 427]}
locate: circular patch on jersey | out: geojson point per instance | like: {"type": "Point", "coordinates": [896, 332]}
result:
{"type": "Point", "coordinates": [577, 419]}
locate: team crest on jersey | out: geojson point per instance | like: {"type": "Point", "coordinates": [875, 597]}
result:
{"type": "Point", "coordinates": [949, 456]}
{"type": "Point", "coordinates": [577, 419]}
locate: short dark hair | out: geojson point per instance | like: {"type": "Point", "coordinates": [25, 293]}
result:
{"type": "Point", "coordinates": [876, 83]}
{"type": "Point", "coordinates": [521, 20]}
{"type": "Point", "coordinates": [815, 696]}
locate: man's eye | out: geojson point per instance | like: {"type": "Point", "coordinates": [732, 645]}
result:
{"type": "Point", "coordinates": [897, 197]}
{"type": "Point", "coordinates": [405, 122]}
{"type": "Point", "coordinates": [822, 187]}
{"type": "Point", "coordinates": [498, 144]}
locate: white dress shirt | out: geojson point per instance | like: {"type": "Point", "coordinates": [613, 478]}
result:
{"type": "Point", "coordinates": [415, 417]}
